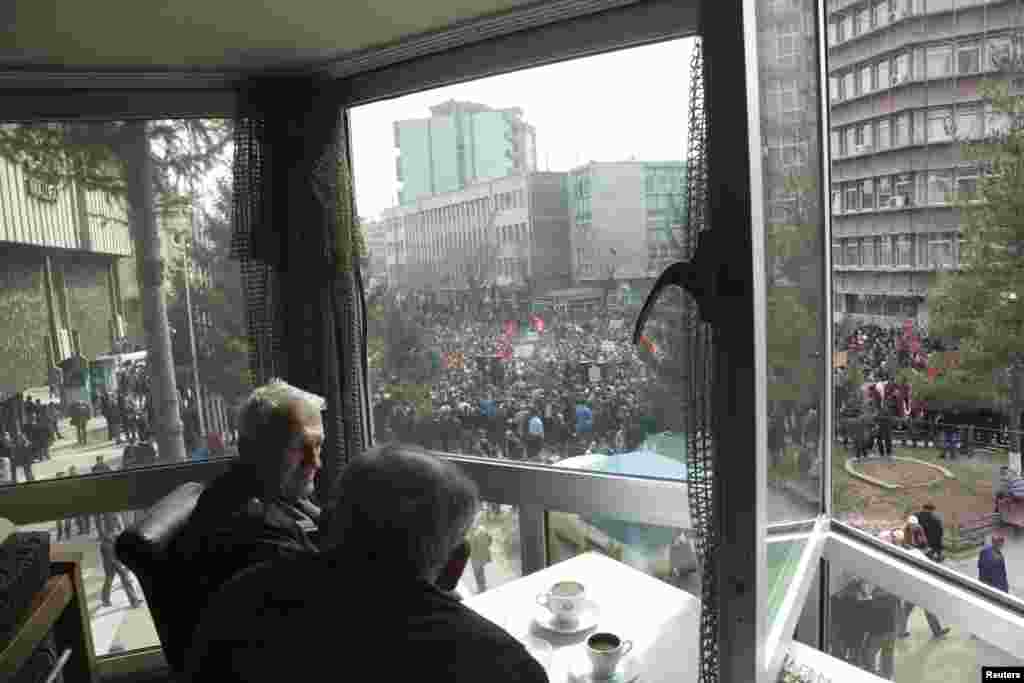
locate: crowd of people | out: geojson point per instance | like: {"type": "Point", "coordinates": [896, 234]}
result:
{"type": "Point", "coordinates": [575, 385]}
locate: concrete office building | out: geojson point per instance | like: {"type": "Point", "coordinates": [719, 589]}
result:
{"type": "Point", "coordinates": [375, 233]}
{"type": "Point", "coordinates": [461, 144]}
{"type": "Point", "coordinates": [623, 215]}
{"type": "Point", "coordinates": [512, 233]}
{"type": "Point", "coordinates": [903, 88]}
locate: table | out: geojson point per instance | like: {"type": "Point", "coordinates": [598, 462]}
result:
{"type": "Point", "coordinates": [661, 620]}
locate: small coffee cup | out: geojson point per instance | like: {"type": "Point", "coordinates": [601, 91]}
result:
{"type": "Point", "coordinates": [605, 651]}
{"type": "Point", "coordinates": [564, 600]}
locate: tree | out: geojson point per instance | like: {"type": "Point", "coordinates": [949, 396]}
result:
{"type": "Point", "coordinates": [982, 303]}
{"type": "Point", "coordinates": [142, 163]}
{"type": "Point", "coordinates": [223, 344]}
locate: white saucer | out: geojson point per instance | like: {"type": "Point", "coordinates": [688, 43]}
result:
{"type": "Point", "coordinates": [587, 619]}
{"type": "Point", "coordinates": [580, 670]}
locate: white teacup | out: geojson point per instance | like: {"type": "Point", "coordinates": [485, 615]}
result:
{"type": "Point", "coordinates": [564, 600]}
{"type": "Point", "coordinates": [605, 650]}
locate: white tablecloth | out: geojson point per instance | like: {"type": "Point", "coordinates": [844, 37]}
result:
{"type": "Point", "coordinates": [661, 620]}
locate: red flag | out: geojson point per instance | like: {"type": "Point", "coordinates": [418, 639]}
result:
{"type": "Point", "coordinates": [933, 373]}
{"type": "Point", "coordinates": [510, 327]}
{"type": "Point", "coordinates": [538, 323]}
{"type": "Point", "coordinates": [648, 344]}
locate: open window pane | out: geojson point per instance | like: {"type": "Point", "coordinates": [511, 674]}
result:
{"type": "Point", "coordinates": [82, 391]}
{"type": "Point", "coordinates": [501, 328]}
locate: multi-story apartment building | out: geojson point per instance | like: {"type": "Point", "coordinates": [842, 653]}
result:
{"type": "Point", "coordinates": [461, 144]}
{"type": "Point", "coordinates": [624, 216]}
{"type": "Point", "coordinates": [512, 233]}
{"type": "Point", "coordinates": [903, 90]}
{"type": "Point", "coordinates": [377, 248]}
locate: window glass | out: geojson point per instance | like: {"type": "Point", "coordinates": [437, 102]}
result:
{"type": "Point", "coordinates": [118, 613]}
{"type": "Point", "coordinates": [939, 125]}
{"type": "Point", "coordinates": [901, 130]}
{"type": "Point", "coordinates": [835, 140]}
{"type": "Point", "coordinates": [78, 391]}
{"type": "Point", "coordinates": [880, 629]}
{"type": "Point", "coordinates": [881, 13]}
{"type": "Point", "coordinates": [837, 200]}
{"type": "Point", "coordinates": [864, 19]}
{"type": "Point", "coordinates": [884, 256]}
{"type": "Point", "coordinates": [835, 93]}
{"type": "Point", "coordinates": [851, 140]}
{"type": "Point", "coordinates": [865, 80]}
{"type": "Point", "coordinates": [852, 253]}
{"type": "Point", "coordinates": [901, 68]}
{"type": "Point", "coordinates": [884, 192]}
{"type": "Point", "coordinates": [940, 61]}
{"type": "Point", "coordinates": [849, 90]}
{"type": "Point", "coordinates": [919, 127]}
{"type": "Point", "coordinates": [846, 29]}
{"type": "Point", "coordinates": [967, 183]}
{"type": "Point", "coordinates": [837, 254]}
{"type": "Point", "coordinates": [1000, 52]}
{"type": "Point", "coordinates": [867, 194]}
{"type": "Point", "coordinates": [968, 58]}
{"type": "Point", "coordinates": [940, 186]}
{"type": "Point", "coordinates": [884, 138]}
{"type": "Point", "coordinates": [868, 251]}
{"type": "Point", "coordinates": [919, 64]}
{"type": "Point", "coordinates": [665, 553]}
{"type": "Point", "coordinates": [968, 123]}
{"type": "Point", "coordinates": [882, 80]}
{"type": "Point", "coordinates": [867, 136]}
{"type": "Point", "coordinates": [852, 197]}
{"type": "Point", "coordinates": [905, 189]}
{"type": "Point", "coordinates": [519, 345]}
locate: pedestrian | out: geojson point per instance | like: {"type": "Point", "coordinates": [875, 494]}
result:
{"type": "Point", "coordinates": [63, 525]}
{"type": "Point", "coordinates": [480, 556]}
{"type": "Point", "coordinates": [109, 529]}
{"type": "Point", "coordinates": [915, 540]}
{"type": "Point", "coordinates": [883, 425]}
{"type": "Point", "coordinates": [931, 522]}
{"type": "Point", "coordinates": [535, 437]}
{"type": "Point", "coordinates": [23, 457]}
{"type": "Point", "coordinates": [992, 564]}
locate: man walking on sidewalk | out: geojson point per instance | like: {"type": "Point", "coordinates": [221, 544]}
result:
{"type": "Point", "coordinates": [480, 555]}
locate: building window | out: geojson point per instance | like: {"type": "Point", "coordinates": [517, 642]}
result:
{"type": "Point", "coordinates": [881, 13]}
{"type": "Point", "coordinates": [867, 251]}
{"type": "Point", "coordinates": [918, 64]}
{"type": "Point", "coordinates": [904, 189]}
{"type": "Point", "coordinates": [835, 141]}
{"type": "Point", "coordinates": [968, 123]}
{"type": "Point", "coordinates": [852, 257]}
{"type": "Point", "coordinates": [884, 192]}
{"type": "Point", "coordinates": [940, 186]}
{"type": "Point", "coordinates": [968, 58]}
{"type": "Point", "coordinates": [903, 250]}
{"type": "Point", "coordinates": [967, 183]}
{"type": "Point", "coordinates": [866, 85]}
{"type": "Point", "coordinates": [863, 20]}
{"type": "Point", "coordinates": [940, 251]}
{"type": "Point", "coordinates": [851, 140]}
{"type": "Point", "coordinates": [837, 254]}
{"type": "Point", "coordinates": [833, 89]}
{"type": "Point", "coordinates": [882, 80]}
{"type": "Point", "coordinates": [939, 125]}
{"type": "Point", "coordinates": [848, 88]}
{"type": "Point", "coordinates": [919, 128]}
{"type": "Point", "coordinates": [1000, 53]}
{"type": "Point", "coordinates": [996, 123]}
{"type": "Point", "coordinates": [837, 200]}
{"type": "Point", "coordinates": [846, 27]}
{"type": "Point", "coordinates": [884, 139]}
{"type": "Point", "coordinates": [852, 198]}
{"type": "Point", "coordinates": [901, 68]}
{"type": "Point", "coordinates": [940, 61]}
{"type": "Point", "coordinates": [867, 195]}
{"type": "Point", "coordinates": [901, 130]}
{"type": "Point", "coordinates": [884, 251]}
{"type": "Point", "coordinates": [867, 136]}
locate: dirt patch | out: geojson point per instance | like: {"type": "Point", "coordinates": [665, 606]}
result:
{"type": "Point", "coordinates": [952, 498]}
{"type": "Point", "coordinates": [900, 473]}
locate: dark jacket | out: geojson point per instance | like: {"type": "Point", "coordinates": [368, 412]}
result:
{"type": "Point", "coordinates": [232, 528]}
{"type": "Point", "coordinates": [932, 526]}
{"type": "Point", "coordinates": [320, 614]}
{"type": "Point", "coordinates": [992, 569]}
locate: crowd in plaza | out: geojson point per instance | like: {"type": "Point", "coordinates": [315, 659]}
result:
{"type": "Point", "coordinates": [560, 387]}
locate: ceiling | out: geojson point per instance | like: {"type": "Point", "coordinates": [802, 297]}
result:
{"type": "Point", "coordinates": [215, 35]}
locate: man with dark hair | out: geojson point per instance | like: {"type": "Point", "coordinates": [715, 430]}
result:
{"type": "Point", "coordinates": [931, 522]}
{"type": "Point", "coordinates": [396, 549]}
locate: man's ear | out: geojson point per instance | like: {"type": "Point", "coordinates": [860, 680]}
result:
{"type": "Point", "coordinates": [452, 571]}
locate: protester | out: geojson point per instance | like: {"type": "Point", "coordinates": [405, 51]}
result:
{"type": "Point", "coordinates": [992, 564]}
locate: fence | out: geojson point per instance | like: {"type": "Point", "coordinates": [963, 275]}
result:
{"type": "Point", "coordinates": [967, 439]}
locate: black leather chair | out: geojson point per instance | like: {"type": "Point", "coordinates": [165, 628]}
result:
{"type": "Point", "coordinates": [143, 549]}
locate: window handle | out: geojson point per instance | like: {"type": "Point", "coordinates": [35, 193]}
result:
{"type": "Point", "coordinates": [704, 278]}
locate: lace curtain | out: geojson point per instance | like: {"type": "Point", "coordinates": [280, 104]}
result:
{"type": "Point", "coordinates": [300, 248]}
